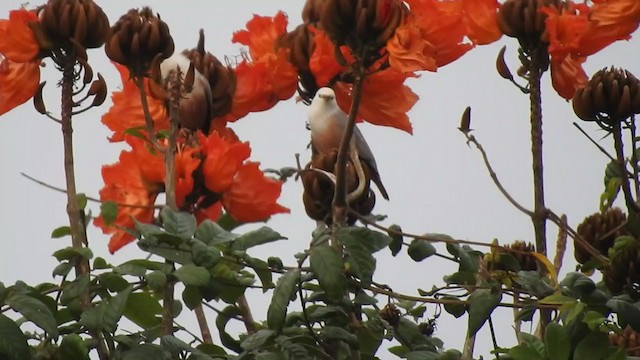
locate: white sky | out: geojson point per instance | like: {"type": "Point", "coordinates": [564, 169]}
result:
{"type": "Point", "coordinates": [436, 182]}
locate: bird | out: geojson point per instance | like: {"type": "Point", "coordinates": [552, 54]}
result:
{"type": "Point", "coordinates": [195, 106]}
{"type": "Point", "coordinates": [328, 122]}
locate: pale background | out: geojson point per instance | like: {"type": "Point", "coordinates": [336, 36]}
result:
{"type": "Point", "coordinates": [436, 182]}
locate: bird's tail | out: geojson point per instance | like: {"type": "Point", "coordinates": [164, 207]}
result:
{"type": "Point", "coordinates": [380, 186]}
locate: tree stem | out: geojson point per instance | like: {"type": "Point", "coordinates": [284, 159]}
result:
{"type": "Point", "coordinates": [76, 215]}
{"type": "Point", "coordinates": [539, 217]}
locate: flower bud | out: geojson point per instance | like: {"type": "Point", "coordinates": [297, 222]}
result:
{"type": "Point", "coordinates": [523, 20]}
{"type": "Point", "coordinates": [137, 38]}
{"type": "Point", "coordinates": [612, 95]}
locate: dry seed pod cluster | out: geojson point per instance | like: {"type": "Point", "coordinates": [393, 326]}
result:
{"type": "Point", "coordinates": [311, 11]}
{"type": "Point", "coordinates": [522, 20]}
{"type": "Point", "coordinates": [79, 21]}
{"type": "Point", "coordinates": [318, 189]}
{"type": "Point", "coordinates": [612, 95]}
{"type": "Point", "coordinates": [359, 23]}
{"type": "Point", "coordinates": [521, 251]}
{"type": "Point", "coordinates": [390, 314]}
{"type": "Point", "coordinates": [600, 231]}
{"type": "Point", "coordinates": [623, 274]}
{"type": "Point", "coordinates": [628, 339]}
{"type": "Point", "coordinates": [137, 38]}
{"type": "Point", "coordinates": [221, 78]}
{"type": "Point", "coordinates": [300, 43]}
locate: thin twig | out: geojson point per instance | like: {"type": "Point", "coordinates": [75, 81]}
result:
{"type": "Point", "coordinates": [148, 120]}
{"type": "Point", "coordinates": [493, 338]}
{"type": "Point", "coordinates": [553, 217]}
{"type": "Point", "coordinates": [561, 245]}
{"type": "Point", "coordinates": [202, 324]}
{"type": "Point", "coordinates": [303, 303]}
{"type": "Point", "coordinates": [180, 327]}
{"type": "Point", "coordinates": [602, 150]}
{"type": "Point", "coordinates": [634, 157]}
{"type": "Point", "coordinates": [472, 139]}
{"type": "Point", "coordinates": [89, 198]}
{"type": "Point", "coordinates": [247, 316]}
{"type": "Point", "coordinates": [626, 186]}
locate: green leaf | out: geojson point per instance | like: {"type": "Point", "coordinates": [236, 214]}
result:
{"type": "Point", "coordinates": [338, 333]}
{"type": "Point", "coordinates": [211, 233]}
{"type": "Point", "coordinates": [35, 311]}
{"type": "Point", "coordinates": [421, 355]}
{"type": "Point", "coordinates": [557, 340]}
{"type": "Point", "coordinates": [100, 264]}
{"type": "Point", "coordinates": [409, 335]}
{"type": "Point", "coordinates": [374, 240]}
{"type": "Point", "coordinates": [482, 302]}
{"type": "Point", "coordinates": [262, 270]}
{"type": "Point", "coordinates": [257, 340]}
{"type": "Point", "coordinates": [204, 255]}
{"type": "Point", "coordinates": [396, 240]}
{"type": "Point", "coordinates": [156, 279]}
{"type": "Point", "coordinates": [190, 274]}
{"type": "Point", "coordinates": [461, 278]}
{"type": "Point", "coordinates": [13, 343]}
{"type": "Point", "coordinates": [456, 309]}
{"type": "Point", "coordinates": [558, 299]}
{"type": "Point", "coordinates": [73, 348]}
{"type": "Point", "coordinates": [175, 345]}
{"type": "Point", "coordinates": [593, 346]}
{"type": "Point", "coordinates": [109, 212]}
{"type": "Point", "coordinates": [419, 249]}
{"type": "Point", "coordinates": [177, 223]}
{"type": "Point", "coordinates": [361, 243]}
{"type": "Point", "coordinates": [257, 237]}
{"type": "Point", "coordinates": [81, 199]}
{"type": "Point", "coordinates": [192, 297]}
{"type": "Point", "coordinates": [143, 309]}
{"type": "Point", "coordinates": [69, 253]}
{"type": "Point", "coordinates": [612, 182]}
{"type": "Point", "coordinates": [523, 352]}
{"type": "Point", "coordinates": [534, 343]}
{"type": "Point", "coordinates": [62, 269]}
{"type": "Point", "coordinates": [284, 291]}
{"type": "Point", "coordinates": [147, 351]}
{"type": "Point", "coordinates": [223, 318]}
{"type": "Point", "coordinates": [227, 222]}
{"type": "Point", "coordinates": [62, 231]}
{"type": "Point", "coordinates": [106, 315]}
{"type": "Point", "coordinates": [327, 265]}
{"type": "Point", "coordinates": [180, 254]}
{"type": "Point", "coordinates": [74, 289]}
{"type": "Point", "coordinates": [569, 312]}
{"type": "Point", "coordinates": [628, 314]}
{"type": "Point", "coordinates": [112, 281]}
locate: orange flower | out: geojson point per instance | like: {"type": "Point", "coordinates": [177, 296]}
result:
{"type": "Point", "coordinates": [253, 196]}
{"type": "Point", "coordinates": [223, 158]}
{"type": "Point", "coordinates": [567, 75]}
{"type": "Point", "coordinates": [622, 15]}
{"type": "Point", "coordinates": [17, 42]}
{"type": "Point", "coordinates": [442, 25]}
{"type": "Point", "coordinates": [385, 99]}
{"type": "Point", "coordinates": [408, 50]}
{"type": "Point", "coordinates": [126, 183]}
{"type": "Point", "coordinates": [261, 34]}
{"type": "Point", "coordinates": [186, 163]}
{"type": "Point", "coordinates": [212, 213]}
{"type": "Point", "coordinates": [566, 29]}
{"type": "Point", "coordinates": [481, 18]}
{"type": "Point", "coordinates": [323, 63]}
{"type": "Point", "coordinates": [18, 83]}
{"type": "Point", "coordinates": [126, 111]}
{"type": "Point", "coordinates": [268, 77]}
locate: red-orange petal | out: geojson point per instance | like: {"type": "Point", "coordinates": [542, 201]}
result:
{"type": "Point", "coordinates": [407, 49]}
{"type": "Point", "coordinates": [481, 17]}
{"type": "Point", "coordinates": [261, 34]}
{"type": "Point", "coordinates": [323, 63]}
{"type": "Point", "coordinates": [222, 161]}
{"type": "Point", "coordinates": [17, 42]}
{"type": "Point", "coordinates": [126, 111]}
{"type": "Point", "coordinates": [385, 99]}
{"type": "Point", "coordinates": [18, 83]}
{"type": "Point", "coordinates": [568, 75]}
{"type": "Point", "coordinates": [252, 196]}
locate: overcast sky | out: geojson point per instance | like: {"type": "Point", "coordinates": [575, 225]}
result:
{"type": "Point", "coordinates": [436, 182]}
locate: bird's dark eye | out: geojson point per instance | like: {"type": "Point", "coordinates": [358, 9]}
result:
{"type": "Point", "coordinates": [307, 126]}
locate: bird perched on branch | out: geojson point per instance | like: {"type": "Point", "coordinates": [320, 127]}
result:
{"type": "Point", "coordinates": [328, 123]}
{"type": "Point", "coordinates": [195, 106]}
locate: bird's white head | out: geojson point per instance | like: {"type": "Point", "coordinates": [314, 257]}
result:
{"type": "Point", "coordinates": [322, 105]}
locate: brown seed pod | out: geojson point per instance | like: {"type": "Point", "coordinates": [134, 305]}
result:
{"type": "Point", "coordinates": [80, 21]}
{"type": "Point", "coordinates": [390, 314]}
{"type": "Point", "coordinates": [600, 230]}
{"type": "Point", "coordinates": [629, 339]}
{"type": "Point", "coordinates": [611, 95]}
{"type": "Point", "coordinates": [521, 251]}
{"type": "Point", "coordinates": [311, 11]}
{"type": "Point", "coordinates": [137, 38]}
{"type": "Point", "coordinates": [623, 274]}
{"type": "Point", "coordinates": [359, 24]}
{"type": "Point", "coordinates": [523, 20]}
{"type": "Point", "coordinates": [221, 78]}
{"type": "Point", "coordinates": [319, 188]}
